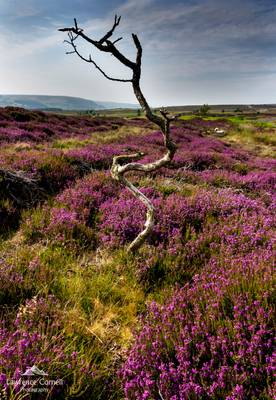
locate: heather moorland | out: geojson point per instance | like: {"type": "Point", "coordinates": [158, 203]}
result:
{"type": "Point", "coordinates": [190, 315]}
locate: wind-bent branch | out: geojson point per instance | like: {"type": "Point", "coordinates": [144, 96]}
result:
{"type": "Point", "coordinates": [126, 163]}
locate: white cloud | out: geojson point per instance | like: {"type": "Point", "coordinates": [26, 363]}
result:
{"type": "Point", "coordinates": [19, 8]}
{"type": "Point", "coordinates": [13, 51]}
{"type": "Point", "coordinates": [206, 50]}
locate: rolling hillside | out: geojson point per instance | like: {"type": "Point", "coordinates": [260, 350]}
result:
{"type": "Point", "coordinates": [43, 102]}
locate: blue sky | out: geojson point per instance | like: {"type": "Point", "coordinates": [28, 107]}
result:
{"type": "Point", "coordinates": [205, 51]}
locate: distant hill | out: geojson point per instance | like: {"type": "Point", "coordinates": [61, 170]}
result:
{"type": "Point", "coordinates": [112, 105]}
{"type": "Point", "coordinates": [43, 102]}
{"type": "Point", "coordinates": [69, 103]}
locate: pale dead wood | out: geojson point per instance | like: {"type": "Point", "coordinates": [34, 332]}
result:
{"type": "Point", "coordinates": [126, 163]}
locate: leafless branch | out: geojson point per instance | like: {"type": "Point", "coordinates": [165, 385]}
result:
{"type": "Point", "coordinates": [71, 41]}
{"type": "Point", "coordinates": [117, 40]}
{"type": "Point", "coordinates": [110, 33]}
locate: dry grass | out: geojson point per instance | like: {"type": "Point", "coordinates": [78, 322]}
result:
{"type": "Point", "coordinates": [101, 137]}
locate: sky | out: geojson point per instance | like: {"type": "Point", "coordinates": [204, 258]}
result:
{"type": "Point", "coordinates": [194, 52]}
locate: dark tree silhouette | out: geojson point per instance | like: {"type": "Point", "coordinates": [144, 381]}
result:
{"type": "Point", "coordinates": [121, 164]}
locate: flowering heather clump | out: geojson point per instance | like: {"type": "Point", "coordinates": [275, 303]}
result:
{"type": "Point", "coordinates": [266, 164]}
{"type": "Point", "coordinates": [122, 218]}
{"type": "Point", "coordinates": [202, 152]}
{"type": "Point", "coordinates": [50, 169]}
{"type": "Point", "coordinates": [35, 337]}
{"type": "Point", "coordinates": [31, 339]}
{"type": "Point", "coordinates": [98, 157]}
{"type": "Point", "coordinates": [86, 196]}
{"type": "Point", "coordinates": [250, 182]}
{"type": "Point", "coordinates": [55, 173]}
{"type": "Point", "coordinates": [59, 225]}
{"type": "Point", "coordinates": [212, 339]}
{"type": "Point", "coordinates": [65, 227]}
{"type": "Point", "coordinates": [260, 180]}
{"type": "Point", "coordinates": [19, 125]}
{"type": "Point", "coordinates": [80, 205]}
{"type": "Point", "coordinates": [72, 220]}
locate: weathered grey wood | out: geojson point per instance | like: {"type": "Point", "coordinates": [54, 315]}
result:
{"type": "Point", "coordinates": [23, 191]}
{"type": "Point", "coordinates": [121, 164]}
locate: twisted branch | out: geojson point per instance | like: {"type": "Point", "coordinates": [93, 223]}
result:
{"type": "Point", "coordinates": [125, 163]}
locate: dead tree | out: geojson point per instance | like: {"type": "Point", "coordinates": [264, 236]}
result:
{"type": "Point", "coordinates": [126, 163]}
{"type": "Point", "coordinates": [24, 192]}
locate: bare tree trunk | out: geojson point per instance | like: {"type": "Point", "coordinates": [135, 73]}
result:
{"type": "Point", "coordinates": [118, 170]}
{"type": "Point", "coordinates": [121, 163]}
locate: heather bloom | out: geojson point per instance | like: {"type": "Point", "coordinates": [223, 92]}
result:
{"type": "Point", "coordinates": [86, 196]}
{"type": "Point", "coordinates": [62, 217]}
{"type": "Point", "coordinates": [212, 339]}
{"type": "Point", "coordinates": [73, 218]}
{"type": "Point", "coordinates": [66, 227]}
{"type": "Point", "coordinates": [209, 260]}
{"type": "Point", "coordinates": [98, 157]}
{"type": "Point", "coordinates": [35, 337]}
{"type": "Point", "coordinates": [121, 219]}
{"type": "Point", "coordinates": [18, 125]}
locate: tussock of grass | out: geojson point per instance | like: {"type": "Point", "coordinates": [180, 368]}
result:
{"type": "Point", "coordinates": [101, 137]}
{"type": "Point", "coordinates": [253, 138]}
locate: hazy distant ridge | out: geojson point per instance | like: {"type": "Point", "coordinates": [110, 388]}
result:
{"type": "Point", "coordinates": [42, 102]}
